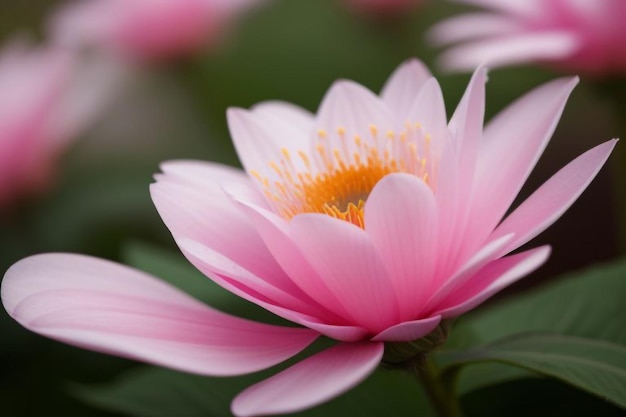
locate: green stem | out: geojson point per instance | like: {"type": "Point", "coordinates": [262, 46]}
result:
{"type": "Point", "coordinates": [441, 397]}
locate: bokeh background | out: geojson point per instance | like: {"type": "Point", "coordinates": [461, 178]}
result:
{"type": "Point", "coordinates": [287, 50]}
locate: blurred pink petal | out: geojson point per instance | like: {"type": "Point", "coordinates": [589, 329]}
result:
{"type": "Point", "coordinates": [369, 222]}
{"type": "Point", "coordinates": [384, 7]}
{"type": "Point", "coordinates": [310, 382]}
{"type": "Point", "coordinates": [48, 98]}
{"type": "Point", "coordinates": [582, 36]}
{"type": "Point", "coordinates": [145, 29]}
{"type": "Point", "coordinates": [100, 305]}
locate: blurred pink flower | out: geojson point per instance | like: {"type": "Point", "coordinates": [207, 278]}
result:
{"type": "Point", "coordinates": [47, 98]}
{"type": "Point", "coordinates": [575, 35]}
{"type": "Point", "coordinates": [384, 7]}
{"type": "Point", "coordinates": [145, 29]}
{"type": "Point", "coordinates": [370, 222]}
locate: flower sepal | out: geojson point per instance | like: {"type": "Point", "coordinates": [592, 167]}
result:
{"type": "Point", "coordinates": [405, 355]}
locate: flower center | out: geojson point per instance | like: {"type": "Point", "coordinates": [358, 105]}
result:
{"type": "Point", "coordinates": [338, 176]}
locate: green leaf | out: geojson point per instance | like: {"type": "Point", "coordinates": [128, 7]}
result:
{"type": "Point", "coordinates": [157, 392]}
{"type": "Point", "coordinates": [587, 304]}
{"type": "Point", "coordinates": [596, 366]}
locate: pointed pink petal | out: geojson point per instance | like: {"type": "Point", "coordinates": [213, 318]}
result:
{"type": "Point", "coordinates": [408, 331]}
{"type": "Point", "coordinates": [493, 278]}
{"type": "Point", "coordinates": [486, 254]}
{"type": "Point", "coordinates": [401, 219]}
{"type": "Point", "coordinates": [192, 212]}
{"type": "Point", "coordinates": [403, 86]}
{"type": "Point", "coordinates": [313, 381]}
{"type": "Point", "coordinates": [554, 197]}
{"type": "Point", "coordinates": [513, 142]}
{"type": "Point", "coordinates": [511, 50]}
{"type": "Point", "coordinates": [471, 26]}
{"type": "Point", "coordinates": [345, 258]}
{"type": "Point", "coordinates": [114, 309]}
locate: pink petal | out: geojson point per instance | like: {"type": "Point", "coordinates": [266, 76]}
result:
{"type": "Point", "coordinates": [313, 381]}
{"type": "Point", "coordinates": [207, 175]}
{"type": "Point", "coordinates": [408, 331]}
{"type": "Point", "coordinates": [401, 219]}
{"type": "Point", "coordinates": [260, 139]}
{"type": "Point", "coordinates": [429, 110]}
{"type": "Point", "coordinates": [471, 26]}
{"type": "Point", "coordinates": [193, 212]}
{"type": "Point", "coordinates": [486, 254]}
{"type": "Point", "coordinates": [493, 278]}
{"type": "Point", "coordinates": [349, 110]}
{"type": "Point", "coordinates": [290, 122]}
{"type": "Point", "coordinates": [346, 260]}
{"type": "Point", "coordinates": [554, 197]}
{"type": "Point", "coordinates": [518, 7]}
{"type": "Point", "coordinates": [515, 49]}
{"type": "Point", "coordinates": [235, 278]}
{"type": "Point", "coordinates": [114, 309]}
{"type": "Point", "coordinates": [513, 142]}
{"type": "Point", "coordinates": [403, 86]}
{"type": "Point", "coordinates": [466, 130]}
{"type": "Point", "coordinates": [276, 236]}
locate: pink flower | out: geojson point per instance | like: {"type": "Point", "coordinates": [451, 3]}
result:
{"type": "Point", "coordinates": [575, 35]}
{"type": "Point", "coordinates": [384, 7]}
{"type": "Point", "coordinates": [370, 222]}
{"type": "Point", "coordinates": [47, 98]}
{"type": "Point", "coordinates": [146, 29]}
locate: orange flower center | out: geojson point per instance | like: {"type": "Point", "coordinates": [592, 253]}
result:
{"type": "Point", "coordinates": [336, 180]}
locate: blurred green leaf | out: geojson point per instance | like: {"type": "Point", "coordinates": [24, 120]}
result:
{"type": "Point", "coordinates": [586, 304]}
{"type": "Point", "coordinates": [596, 366]}
{"type": "Point", "coordinates": [155, 392]}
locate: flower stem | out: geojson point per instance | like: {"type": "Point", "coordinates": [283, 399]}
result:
{"type": "Point", "coordinates": [441, 396]}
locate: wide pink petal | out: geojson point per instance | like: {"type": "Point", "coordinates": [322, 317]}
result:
{"type": "Point", "coordinates": [401, 219]}
{"type": "Point", "coordinates": [515, 49]}
{"type": "Point", "coordinates": [403, 86]}
{"type": "Point", "coordinates": [471, 26]}
{"type": "Point", "coordinates": [466, 130]}
{"type": "Point", "coordinates": [554, 197]}
{"type": "Point", "coordinates": [208, 175]}
{"type": "Point", "coordinates": [408, 331]}
{"type": "Point", "coordinates": [275, 234]}
{"type": "Point", "coordinates": [493, 278]}
{"type": "Point", "coordinates": [512, 144]}
{"type": "Point", "coordinates": [349, 110]}
{"type": "Point", "coordinates": [346, 260]}
{"type": "Point", "coordinates": [290, 122]}
{"type": "Point", "coordinates": [310, 382]}
{"type": "Point", "coordinates": [114, 309]}
{"type": "Point", "coordinates": [257, 146]}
